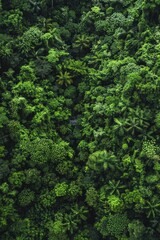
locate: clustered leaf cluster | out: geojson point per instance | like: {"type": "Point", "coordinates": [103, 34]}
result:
{"type": "Point", "coordinates": [79, 120]}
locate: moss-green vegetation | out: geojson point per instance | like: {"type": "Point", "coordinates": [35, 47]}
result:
{"type": "Point", "coordinates": [79, 120]}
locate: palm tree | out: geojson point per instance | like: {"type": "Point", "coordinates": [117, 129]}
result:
{"type": "Point", "coordinates": [114, 187]}
{"type": "Point", "coordinates": [70, 223]}
{"type": "Point", "coordinates": [137, 121]}
{"type": "Point", "coordinates": [36, 5]}
{"type": "Point", "coordinates": [79, 212]}
{"type": "Point", "coordinates": [153, 208]}
{"type": "Point", "coordinates": [133, 125]}
{"type": "Point", "coordinates": [64, 78]}
{"type": "Point", "coordinates": [120, 126]}
{"type": "Point", "coordinates": [82, 42]}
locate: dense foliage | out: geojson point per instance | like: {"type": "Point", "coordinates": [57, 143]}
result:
{"type": "Point", "coordinates": [79, 120]}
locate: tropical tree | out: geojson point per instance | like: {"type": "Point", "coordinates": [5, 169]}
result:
{"type": "Point", "coordinates": [64, 78]}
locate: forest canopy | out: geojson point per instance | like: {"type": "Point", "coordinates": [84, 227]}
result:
{"type": "Point", "coordinates": [79, 120]}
